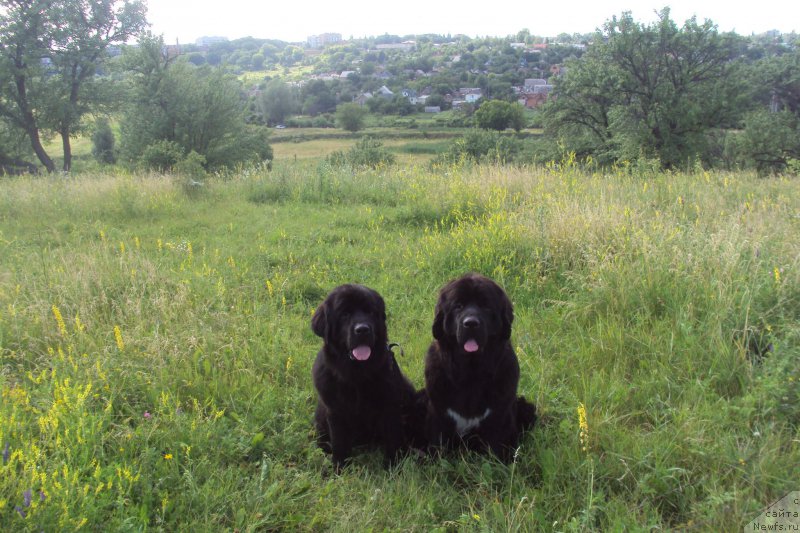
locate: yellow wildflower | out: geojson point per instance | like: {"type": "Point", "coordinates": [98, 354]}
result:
{"type": "Point", "coordinates": [118, 337]}
{"type": "Point", "coordinates": [584, 426]}
{"type": "Point", "coordinates": [62, 328]}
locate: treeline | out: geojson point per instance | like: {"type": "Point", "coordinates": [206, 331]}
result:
{"type": "Point", "coordinates": [663, 94]}
{"type": "Point", "coordinates": [676, 96]}
{"type": "Point", "coordinates": [66, 63]}
{"type": "Point", "coordinates": [660, 94]}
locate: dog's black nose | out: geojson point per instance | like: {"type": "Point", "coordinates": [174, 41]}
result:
{"type": "Point", "coordinates": [471, 322]}
{"type": "Point", "coordinates": [362, 329]}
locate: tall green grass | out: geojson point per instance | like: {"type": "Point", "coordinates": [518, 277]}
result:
{"type": "Point", "coordinates": [156, 347]}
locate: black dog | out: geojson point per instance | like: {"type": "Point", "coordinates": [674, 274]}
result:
{"type": "Point", "coordinates": [472, 372]}
{"type": "Point", "coordinates": [363, 395]}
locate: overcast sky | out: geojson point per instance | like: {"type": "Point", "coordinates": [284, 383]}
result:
{"type": "Point", "coordinates": [292, 20]}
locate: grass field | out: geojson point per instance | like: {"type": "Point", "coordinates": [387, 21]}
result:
{"type": "Point", "coordinates": [156, 347]}
{"type": "Point", "coordinates": [406, 151]}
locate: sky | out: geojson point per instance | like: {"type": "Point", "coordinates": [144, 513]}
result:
{"type": "Point", "coordinates": [294, 21]}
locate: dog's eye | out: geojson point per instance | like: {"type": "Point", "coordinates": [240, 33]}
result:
{"type": "Point", "coordinates": [458, 307]}
{"type": "Point", "coordinates": [345, 315]}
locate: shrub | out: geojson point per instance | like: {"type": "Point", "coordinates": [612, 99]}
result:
{"type": "Point", "coordinates": [481, 146]}
{"type": "Point", "coordinates": [161, 155]}
{"type": "Point", "coordinates": [192, 166]}
{"type": "Point", "coordinates": [366, 153]}
{"type": "Point", "coordinates": [103, 143]}
{"type": "Point", "coordinates": [351, 117]}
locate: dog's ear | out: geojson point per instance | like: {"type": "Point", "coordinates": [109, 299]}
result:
{"type": "Point", "coordinates": [381, 305]}
{"type": "Point", "coordinates": [506, 315]}
{"type": "Point", "coordinates": [319, 322]}
{"type": "Point", "coordinates": [438, 320]}
{"type": "Point", "coordinates": [381, 309]}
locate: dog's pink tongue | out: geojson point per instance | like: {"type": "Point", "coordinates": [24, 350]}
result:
{"type": "Point", "coordinates": [362, 353]}
{"type": "Point", "coordinates": [471, 346]}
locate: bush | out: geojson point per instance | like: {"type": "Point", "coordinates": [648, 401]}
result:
{"type": "Point", "coordinates": [499, 115]}
{"type": "Point", "coordinates": [481, 146]}
{"type": "Point", "coordinates": [103, 143]}
{"type": "Point", "coordinates": [351, 117]}
{"type": "Point", "coordinates": [323, 121]}
{"type": "Point", "coordinates": [367, 153]}
{"type": "Point", "coordinates": [161, 156]}
{"type": "Point", "coordinates": [192, 166]}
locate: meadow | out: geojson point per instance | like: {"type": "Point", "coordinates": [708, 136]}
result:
{"type": "Point", "coordinates": [156, 346]}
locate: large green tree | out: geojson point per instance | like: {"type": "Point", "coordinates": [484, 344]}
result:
{"type": "Point", "coordinates": [770, 141]}
{"type": "Point", "coordinates": [650, 91]}
{"type": "Point", "coordinates": [83, 33]}
{"type": "Point", "coordinates": [24, 42]}
{"type": "Point", "coordinates": [277, 101]}
{"type": "Point", "coordinates": [197, 109]}
{"type": "Point", "coordinates": [351, 117]}
{"type": "Point", "coordinates": [50, 54]}
{"type": "Point", "coordinates": [500, 115]}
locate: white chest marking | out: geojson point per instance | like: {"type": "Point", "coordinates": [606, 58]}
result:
{"type": "Point", "coordinates": [465, 425]}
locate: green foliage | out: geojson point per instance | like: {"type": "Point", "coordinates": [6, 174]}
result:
{"type": "Point", "coordinates": [500, 115]}
{"type": "Point", "coordinates": [50, 53]}
{"type": "Point", "coordinates": [276, 102]}
{"type": "Point", "coordinates": [366, 153]}
{"type": "Point", "coordinates": [197, 109]}
{"type": "Point", "coordinates": [192, 166]}
{"type": "Point", "coordinates": [103, 142]}
{"type": "Point", "coordinates": [318, 97]}
{"type": "Point", "coordinates": [481, 147]}
{"type": "Point", "coordinates": [649, 91]}
{"type": "Point", "coordinates": [162, 155]}
{"type": "Point", "coordinates": [15, 151]}
{"type": "Point", "coordinates": [770, 141]}
{"type": "Point", "coordinates": [350, 117]}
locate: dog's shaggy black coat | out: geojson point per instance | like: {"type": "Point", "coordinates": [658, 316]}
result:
{"type": "Point", "coordinates": [362, 394]}
{"type": "Point", "coordinates": [472, 372]}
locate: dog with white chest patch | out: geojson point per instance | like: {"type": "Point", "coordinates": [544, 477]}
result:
{"type": "Point", "coordinates": [472, 372]}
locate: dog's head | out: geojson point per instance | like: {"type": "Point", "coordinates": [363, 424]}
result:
{"type": "Point", "coordinates": [472, 313]}
{"type": "Point", "coordinates": [352, 321]}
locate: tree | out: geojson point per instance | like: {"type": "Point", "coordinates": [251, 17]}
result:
{"type": "Point", "coordinates": [350, 117]}
{"type": "Point", "coordinates": [770, 140]}
{"type": "Point", "coordinates": [499, 115]}
{"type": "Point", "coordinates": [83, 32]}
{"type": "Point", "coordinates": [276, 102]}
{"type": "Point", "coordinates": [50, 51]}
{"type": "Point", "coordinates": [23, 43]}
{"type": "Point", "coordinates": [318, 97]}
{"type": "Point", "coordinates": [198, 109]}
{"type": "Point", "coordinates": [652, 91]}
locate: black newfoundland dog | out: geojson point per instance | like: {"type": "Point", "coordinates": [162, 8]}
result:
{"type": "Point", "coordinates": [363, 395]}
{"type": "Point", "coordinates": [471, 370]}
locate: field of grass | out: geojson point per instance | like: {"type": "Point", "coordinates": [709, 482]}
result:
{"type": "Point", "coordinates": [156, 347]}
{"type": "Point", "coordinates": [407, 151]}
